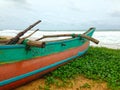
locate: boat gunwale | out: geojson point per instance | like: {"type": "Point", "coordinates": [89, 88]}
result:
{"type": "Point", "coordinates": [47, 43]}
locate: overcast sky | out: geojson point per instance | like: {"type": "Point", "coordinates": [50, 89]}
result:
{"type": "Point", "coordinates": [60, 14]}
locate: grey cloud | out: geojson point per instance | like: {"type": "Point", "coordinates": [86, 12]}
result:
{"type": "Point", "coordinates": [115, 14]}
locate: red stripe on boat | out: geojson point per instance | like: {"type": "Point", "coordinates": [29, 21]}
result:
{"type": "Point", "coordinates": [15, 69]}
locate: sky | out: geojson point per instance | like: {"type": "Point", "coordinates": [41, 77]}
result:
{"type": "Point", "coordinates": [60, 14]}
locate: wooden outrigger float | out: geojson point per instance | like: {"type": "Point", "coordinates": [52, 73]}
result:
{"type": "Point", "coordinates": [23, 60]}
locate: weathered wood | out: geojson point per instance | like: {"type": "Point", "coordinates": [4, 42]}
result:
{"type": "Point", "coordinates": [29, 42]}
{"type": "Point", "coordinates": [89, 38]}
{"type": "Point", "coordinates": [22, 39]}
{"type": "Point", "coordinates": [5, 37]}
{"type": "Point", "coordinates": [31, 34]}
{"type": "Point", "coordinates": [17, 37]}
{"type": "Point", "coordinates": [35, 43]}
{"type": "Point", "coordinates": [66, 35]}
{"type": "Point", "coordinates": [4, 40]}
{"type": "Point", "coordinates": [49, 36]}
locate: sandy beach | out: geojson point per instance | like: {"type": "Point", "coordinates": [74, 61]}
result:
{"type": "Point", "coordinates": [80, 83]}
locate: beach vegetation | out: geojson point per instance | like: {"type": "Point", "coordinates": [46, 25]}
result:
{"type": "Point", "coordinates": [99, 63]}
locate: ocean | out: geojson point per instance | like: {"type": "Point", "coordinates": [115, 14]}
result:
{"type": "Point", "coordinates": [110, 39]}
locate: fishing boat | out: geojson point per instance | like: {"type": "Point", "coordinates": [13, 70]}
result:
{"type": "Point", "coordinates": [24, 62]}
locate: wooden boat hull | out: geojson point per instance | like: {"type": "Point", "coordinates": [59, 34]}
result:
{"type": "Point", "coordinates": [26, 71]}
{"type": "Point", "coordinates": [18, 73]}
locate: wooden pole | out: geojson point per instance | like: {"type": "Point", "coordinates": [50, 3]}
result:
{"type": "Point", "coordinates": [4, 41]}
{"type": "Point", "coordinates": [22, 39]}
{"type": "Point", "coordinates": [66, 35]}
{"type": "Point", "coordinates": [29, 42]}
{"type": "Point", "coordinates": [36, 43]}
{"type": "Point", "coordinates": [89, 38]}
{"type": "Point", "coordinates": [49, 36]}
{"type": "Point", "coordinates": [31, 33]}
{"type": "Point", "coordinates": [17, 37]}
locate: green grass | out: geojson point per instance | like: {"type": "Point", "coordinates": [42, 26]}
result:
{"type": "Point", "coordinates": [98, 63]}
{"type": "Point", "coordinates": [86, 85]}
